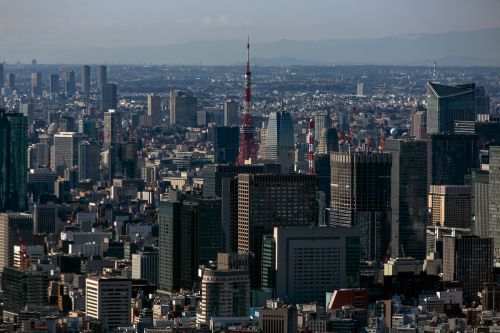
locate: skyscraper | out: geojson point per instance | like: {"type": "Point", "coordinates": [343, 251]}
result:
{"type": "Point", "coordinates": [108, 300]}
{"type": "Point", "coordinates": [361, 196]}
{"type": "Point", "coordinates": [451, 158]}
{"type": "Point", "coordinates": [279, 140]}
{"type": "Point", "coordinates": [109, 98]}
{"type": "Point", "coordinates": [408, 197]}
{"type": "Point", "coordinates": [446, 104]}
{"type": "Point", "coordinates": [266, 201]}
{"type": "Point", "coordinates": [419, 122]}
{"type": "Point", "coordinates": [69, 83]}
{"type": "Point", "coordinates": [89, 154]}
{"type": "Point", "coordinates": [321, 122]}
{"type": "Point", "coordinates": [36, 84]}
{"type": "Point", "coordinates": [183, 109]}
{"type": "Point", "coordinates": [154, 109]}
{"type": "Point", "coordinates": [112, 126]}
{"type": "Point", "coordinates": [303, 252]}
{"type": "Point", "coordinates": [231, 113]}
{"type": "Point", "coordinates": [2, 76]}
{"type": "Point", "coordinates": [226, 144]}
{"type": "Point", "coordinates": [85, 77]}
{"type": "Point", "coordinates": [11, 81]}
{"type": "Point", "coordinates": [450, 205]}
{"type": "Point", "coordinates": [24, 288]}
{"type": "Point", "coordinates": [102, 76]}
{"type": "Point", "coordinates": [469, 260]}
{"type": "Point", "coordinates": [65, 151]}
{"type": "Point", "coordinates": [54, 83]}
{"type": "Point", "coordinates": [15, 229]}
{"type": "Point", "coordinates": [480, 202]}
{"type": "Point", "coordinates": [13, 161]}
{"type": "Point", "coordinates": [494, 197]}
{"type": "Point", "coordinates": [169, 235]}
{"type": "Point", "coordinates": [328, 141]}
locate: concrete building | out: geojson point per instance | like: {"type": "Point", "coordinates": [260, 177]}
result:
{"type": "Point", "coordinates": [282, 319]}
{"type": "Point", "coordinates": [266, 201]}
{"type": "Point", "coordinates": [224, 293]}
{"type": "Point", "coordinates": [33, 253]}
{"type": "Point", "coordinates": [89, 158]}
{"type": "Point", "coordinates": [469, 260]}
{"type": "Point", "coordinates": [231, 113]}
{"type": "Point", "coordinates": [328, 141]}
{"type": "Point", "coordinates": [108, 300]}
{"type": "Point", "coordinates": [480, 202]}
{"type": "Point", "coordinates": [36, 84]}
{"type": "Point", "coordinates": [313, 261]}
{"type": "Point", "coordinates": [450, 206]}
{"type": "Point", "coordinates": [102, 76]}
{"type": "Point", "coordinates": [65, 151]}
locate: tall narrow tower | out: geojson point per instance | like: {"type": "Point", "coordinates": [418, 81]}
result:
{"type": "Point", "coordinates": [310, 145]}
{"type": "Point", "coordinates": [247, 144]}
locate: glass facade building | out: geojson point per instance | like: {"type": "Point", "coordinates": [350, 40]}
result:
{"type": "Point", "coordinates": [280, 140]}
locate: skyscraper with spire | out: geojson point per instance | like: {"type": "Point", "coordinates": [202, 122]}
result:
{"type": "Point", "coordinates": [247, 143]}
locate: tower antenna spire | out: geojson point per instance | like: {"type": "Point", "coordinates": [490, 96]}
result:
{"type": "Point", "coordinates": [247, 144]}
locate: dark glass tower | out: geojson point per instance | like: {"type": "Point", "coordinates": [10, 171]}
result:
{"type": "Point", "coordinates": [13, 161]}
{"type": "Point", "coordinates": [446, 104]}
{"type": "Point", "coordinates": [226, 145]}
{"type": "Point", "coordinates": [109, 99]}
{"type": "Point", "coordinates": [408, 197]}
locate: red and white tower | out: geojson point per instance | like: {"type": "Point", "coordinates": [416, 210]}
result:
{"type": "Point", "coordinates": [247, 143]}
{"type": "Point", "coordinates": [310, 145]}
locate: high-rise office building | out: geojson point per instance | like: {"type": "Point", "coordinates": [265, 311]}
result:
{"type": "Point", "coordinates": [69, 83]}
{"type": "Point", "coordinates": [24, 288]}
{"type": "Point", "coordinates": [303, 252]}
{"type": "Point", "coordinates": [15, 229]}
{"type": "Point", "coordinates": [408, 197]}
{"type": "Point", "coordinates": [112, 127]}
{"type": "Point", "coordinates": [183, 109]}
{"type": "Point", "coordinates": [226, 144]}
{"type": "Point", "coordinates": [447, 104]}
{"type": "Point", "coordinates": [231, 113]}
{"type": "Point", "coordinates": [451, 158]}
{"type": "Point", "coordinates": [108, 300]}
{"type": "Point", "coordinates": [11, 81]}
{"type": "Point", "coordinates": [224, 293]}
{"type": "Point", "coordinates": [361, 198]}
{"type": "Point", "coordinates": [102, 76]}
{"type": "Point", "coordinates": [266, 201]}
{"type": "Point", "coordinates": [482, 101]}
{"type": "Point", "coordinates": [480, 202]}
{"type": "Point", "coordinates": [89, 155]}
{"type": "Point", "coordinates": [85, 79]}
{"type": "Point", "coordinates": [2, 76]}
{"type": "Point", "coordinates": [54, 83]}
{"type": "Point", "coordinates": [169, 235]}
{"type": "Point", "coordinates": [200, 236]}
{"type": "Point", "coordinates": [145, 266]}
{"type": "Point", "coordinates": [469, 260]}
{"type": "Point", "coordinates": [450, 205]}
{"type": "Point", "coordinates": [321, 122]}
{"type": "Point", "coordinates": [323, 177]}
{"type": "Point", "coordinates": [280, 140]}
{"type": "Point", "coordinates": [494, 197]}
{"type": "Point", "coordinates": [154, 109]}
{"type": "Point", "coordinates": [328, 141]}
{"type": "Point", "coordinates": [13, 161]}
{"type": "Point", "coordinates": [109, 97]}
{"type": "Point", "coordinates": [36, 84]}
{"type": "Point", "coordinates": [65, 151]}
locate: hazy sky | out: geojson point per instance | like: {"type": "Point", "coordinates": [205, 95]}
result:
{"type": "Point", "coordinates": [159, 22]}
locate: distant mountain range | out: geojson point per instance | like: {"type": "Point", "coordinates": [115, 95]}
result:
{"type": "Point", "coordinates": [466, 48]}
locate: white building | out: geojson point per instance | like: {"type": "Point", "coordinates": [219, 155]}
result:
{"type": "Point", "coordinates": [108, 299]}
